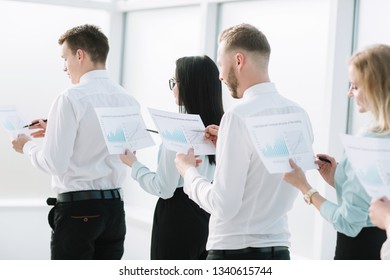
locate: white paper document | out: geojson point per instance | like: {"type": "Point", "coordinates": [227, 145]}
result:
{"type": "Point", "coordinates": [278, 138]}
{"type": "Point", "coordinates": [370, 159]}
{"type": "Point", "coordinates": [123, 128]}
{"type": "Point", "coordinates": [180, 132]}
{"type": "Point", "coordinates": [12, 121]}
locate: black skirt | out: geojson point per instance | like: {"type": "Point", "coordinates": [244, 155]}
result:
{"type": "Point", "coordinates": [365, 246]}
{"type": "Point", "coordinates": [180, 229]}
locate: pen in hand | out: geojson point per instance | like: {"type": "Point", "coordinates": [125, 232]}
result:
{"type": "Point", "coordinates": [33, 123]}
{"type": "Point", "coordinates": [324, 159]}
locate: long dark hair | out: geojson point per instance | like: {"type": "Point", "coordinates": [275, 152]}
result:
{"type": "Point", "coordinates": [200, 90]}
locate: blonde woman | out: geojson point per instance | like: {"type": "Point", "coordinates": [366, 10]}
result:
{"type": "Point", "coordinates": [357, 237]}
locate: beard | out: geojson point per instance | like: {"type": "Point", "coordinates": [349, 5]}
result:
{"type": "Point", "coordinates": [232, 83]}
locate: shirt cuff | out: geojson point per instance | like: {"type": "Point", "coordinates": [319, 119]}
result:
{"type": "Point", "coordinates": [327, 210]}
{"type": "Point", "coordinates": [28, 146]}
{"type": "Point", "coordinates": [135, 168]}
{"type": "Point", "coordinates": [189, 177]}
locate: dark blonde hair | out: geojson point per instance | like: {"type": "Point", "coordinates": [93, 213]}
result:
{"type": "Point", "coordinates": [246, 37]}
{"type": "Point", "coordinates": [88, 38]}
{"type": "Point", "coordinates": [373, 68]}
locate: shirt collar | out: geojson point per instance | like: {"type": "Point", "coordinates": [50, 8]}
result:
{"type": "Point", "coordinates": [262, 88]}
{"type": "Point", "coordinates": [93, 75]}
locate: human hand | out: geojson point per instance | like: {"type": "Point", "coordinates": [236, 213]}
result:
{"type": "Point", "coordinates": [18, 143]}
{"type": "Point", "coordinates": [185, 161]}
{"type": "Point", "coordinates": [326, 169]}
{"type": "Point", "coordinates": [128, 157]}
{"type": "Point", "coordinates": [297, 178]}
{"type": "Point", "coordinates": [380, 212]}
{"type": "Point", "coordinates": [211, 133]}
{"type": "Point", "coordinates": [41, 125]}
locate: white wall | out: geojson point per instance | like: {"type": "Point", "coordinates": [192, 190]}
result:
{"type": "Point", "coordinates": [311, 42]}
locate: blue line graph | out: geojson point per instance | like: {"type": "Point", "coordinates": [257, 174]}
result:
{"type": "Point", "coordinates": [176, 135]}
{"type": "Point", "coordinates": [295, 141]}
{"type": "Point", "coordinates": [277, 149]}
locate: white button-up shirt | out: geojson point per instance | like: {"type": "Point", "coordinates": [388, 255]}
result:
{"type": "Point", "coordinates": [74, 151]}
{"type": "Point", "coordinates": [248, 206]}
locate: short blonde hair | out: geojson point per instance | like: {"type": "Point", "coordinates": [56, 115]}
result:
{"type": "Point", "coordinates": [246, 37]}
{"type": "Point", "coordinates": [373, 68]}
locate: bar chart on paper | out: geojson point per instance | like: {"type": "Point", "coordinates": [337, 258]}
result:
{"type": "Point", "coordinates": [176, 135]}
{"type": "Point", "coordinates": [123, 128]}
{"type": "Point", "coordinates": [179, 132]}
{"type": "Point", "coordinates": [289, 143]}
{"type": "Point", "coordinates": [374, 171]}
{"type": "Point", "coordinates": [116, 136]}
{"type": "Point", "coordinates": [12, 121]}
{"type": "Point", "coordinates": [279, 138]}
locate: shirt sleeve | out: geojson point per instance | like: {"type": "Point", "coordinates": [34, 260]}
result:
{"type": "Point", "coordinates": [350, 215]}
{"type": "Point", "coordinates": [61, 130]}
{"type": "Point", "coordinates": [223, 197]}
{"type": "Point", "coordinates": [164, 181]}
{"type": "Point", "coordinates": [34, 152]}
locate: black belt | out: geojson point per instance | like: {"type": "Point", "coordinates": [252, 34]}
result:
{"type": "Point", "coordinates": [250, 250]}
{"type": "Point", "coordinates": [88, 195]}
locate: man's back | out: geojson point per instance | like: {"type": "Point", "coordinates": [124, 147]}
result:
{"type": "Point", "coordinates": [81, 158]}
{"type": "Point", "coordinates": [255, 203]}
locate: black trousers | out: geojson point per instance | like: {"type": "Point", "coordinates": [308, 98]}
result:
{"type": "Point", "coordinates": [365, 246]}
{"type": "Point", "coordinates": [88, 230]}
{"type": "Point", "coordinates": [180, 229]}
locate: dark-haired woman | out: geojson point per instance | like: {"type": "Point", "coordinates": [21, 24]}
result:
{"type": "Point", "coordinates": [180, 226]}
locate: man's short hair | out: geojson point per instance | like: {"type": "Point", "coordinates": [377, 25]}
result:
{"type": "Point", "coordinates": [88, 38]}
{"type": "Point", "coordinates": [246, 37]}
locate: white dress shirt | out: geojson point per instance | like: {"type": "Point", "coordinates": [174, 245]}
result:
{"type": "Point", "coordinates": [248, 206]}
{"type": "Point", "coordinates": [74, 151]}
{"type": "Point", "coordinates": [166, 179]}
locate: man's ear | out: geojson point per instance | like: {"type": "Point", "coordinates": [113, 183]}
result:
{"type": "Point", "coordinates": [80, 54]}
{"type": "Point", "coordinates": [240, 60]}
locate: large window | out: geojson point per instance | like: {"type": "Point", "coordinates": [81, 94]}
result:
{"type": "Point", "coordinates": [31, 77]}
{"type": "Point", "coordinates": [150, 54]}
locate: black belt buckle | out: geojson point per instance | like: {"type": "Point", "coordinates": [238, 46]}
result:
{"type": "Point", "coordinates": [51, 201]}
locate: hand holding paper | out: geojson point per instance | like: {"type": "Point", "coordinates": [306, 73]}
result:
{"type": "Point", "coordinates": [296, 177]}
{"type": "Point", "coordinates": [128, 158]}
{"type": "Point", "coordinates": [211, 133]}
{"type": "Point", "coordinates": [19, 142]}
{"type": "Point", "coordinates": [185, 161]}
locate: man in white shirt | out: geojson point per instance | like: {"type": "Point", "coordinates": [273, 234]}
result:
{"type": "Point", "coordinates": [88, 219]}
{"type": "Point", "coordinates": [248, 206]}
